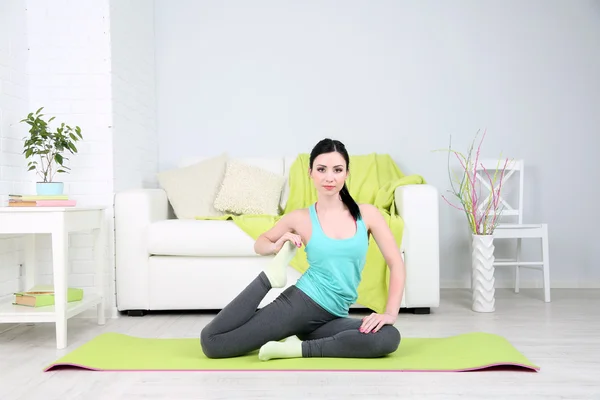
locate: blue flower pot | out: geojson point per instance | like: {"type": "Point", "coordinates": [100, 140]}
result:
{"type": "Point", "coordinates": [49, 188]}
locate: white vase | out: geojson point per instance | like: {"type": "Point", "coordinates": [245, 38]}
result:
{"type": "Point", "coordinates": [482, 275]}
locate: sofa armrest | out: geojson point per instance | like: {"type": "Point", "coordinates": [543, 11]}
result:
{"type": "Point", "coordinates": [418, 205]}
{"type": "Point", "coordinates": [135, 210]}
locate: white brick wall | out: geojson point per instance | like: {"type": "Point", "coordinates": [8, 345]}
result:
{"type": "Point", "coordinates": [13, 107]}
{"type": "Point", "coordinates": [87, 68]}
{"type": "Point", "coordinates": [133, 85]}
{"type": "Point", "coordinates": [69, 75]}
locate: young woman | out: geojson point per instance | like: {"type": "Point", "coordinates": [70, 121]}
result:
{"type": "Point", "coordinates": [312, 315]}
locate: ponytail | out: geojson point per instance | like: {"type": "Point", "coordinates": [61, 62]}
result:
{"type": "Point", "coordinates": [350, 203]}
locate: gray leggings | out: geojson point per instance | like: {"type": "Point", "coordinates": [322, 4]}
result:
{"type": "Point", "coordinates": [240, 328]}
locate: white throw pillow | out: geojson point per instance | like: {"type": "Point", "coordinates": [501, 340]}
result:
{"type": "Point", "coordinates": [247, 189]}
{"type": "Point", "coordinates": [192, 190]}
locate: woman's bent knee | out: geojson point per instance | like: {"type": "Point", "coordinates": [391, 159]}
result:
{"type": "Point", "coordinates": [390, 339]}
{"type": "Point", "coordinates": [209, 345]}
{"type": "Point", "coordinates": [216, 345]}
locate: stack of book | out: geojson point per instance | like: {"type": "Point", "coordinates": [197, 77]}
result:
{"type": "Point", "coordinates": [62, 200]}
{"type": "Point", "coordinates": [43, 295]}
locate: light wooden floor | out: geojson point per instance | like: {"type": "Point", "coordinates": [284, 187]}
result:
{"type": "Point", "coordinates": [563, 337]}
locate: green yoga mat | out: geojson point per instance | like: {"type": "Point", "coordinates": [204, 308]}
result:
{"type": "Point", "coordinates": [467, 352]}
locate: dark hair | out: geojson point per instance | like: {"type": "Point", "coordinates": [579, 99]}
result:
{"type": "Point", "coordinates": [329, 146]}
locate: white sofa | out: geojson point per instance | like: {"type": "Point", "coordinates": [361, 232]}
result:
{"type": "Point", "coordinates": [165, 263]}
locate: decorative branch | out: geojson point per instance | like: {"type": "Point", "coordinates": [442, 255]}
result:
{"type": "Point", "coordinates": [466, 189]}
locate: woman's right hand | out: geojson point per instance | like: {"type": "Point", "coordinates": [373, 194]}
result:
{"type": "Point", "coordinates": [296, 240]}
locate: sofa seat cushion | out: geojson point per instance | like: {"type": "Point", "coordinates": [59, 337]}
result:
{"type": "Point", "coordinates": [203, 238]}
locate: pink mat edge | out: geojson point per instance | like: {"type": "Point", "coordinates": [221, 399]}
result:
{"type": "Point", "coordinates": [528, 367]}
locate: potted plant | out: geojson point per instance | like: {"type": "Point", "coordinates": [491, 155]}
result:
{"type": "Point", "coordinates": [482, 213]}
{"type": "Point", "coordinates": [45, 147]}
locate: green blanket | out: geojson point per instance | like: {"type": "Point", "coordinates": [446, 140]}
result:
{"type": "Point", "coordinates": [373, 179]}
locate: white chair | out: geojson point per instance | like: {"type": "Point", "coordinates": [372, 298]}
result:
{"type": "Point", "coordinates": [517, 230]}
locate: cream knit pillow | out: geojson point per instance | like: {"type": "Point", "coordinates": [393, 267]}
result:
{"type": "Point", "coordinates": [247, 189]}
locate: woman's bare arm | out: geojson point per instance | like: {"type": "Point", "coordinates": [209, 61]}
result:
{"type": "Point", "coordinates": [387, 245]}
{"type": "Point", "coordinates": [272, 240]}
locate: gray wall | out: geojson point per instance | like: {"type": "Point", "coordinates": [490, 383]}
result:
{"type": "Point", "coordinates": [399, 77]}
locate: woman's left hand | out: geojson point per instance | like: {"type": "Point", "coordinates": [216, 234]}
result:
{"type": "Point", "coordinates": [374, 322]}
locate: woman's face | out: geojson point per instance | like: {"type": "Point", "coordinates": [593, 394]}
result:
{"type": "Point", "coordinates": [329, 173]}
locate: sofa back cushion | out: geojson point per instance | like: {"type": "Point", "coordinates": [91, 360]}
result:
{"type": "Point", "coordinates": [272, 164]}
{"type": "Point", "coordinates": [243, 200]}
{"type": "Point", "coordinates": [249, 190]}
{"type": "Point", "coordinates": [191, 188]}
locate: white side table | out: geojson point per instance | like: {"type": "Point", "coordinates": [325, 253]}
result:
{"type": "Point", "coordinates": [57, 221]}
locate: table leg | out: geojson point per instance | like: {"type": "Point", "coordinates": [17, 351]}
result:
{"type": "Point", "coordinates": [29, 261]}
{"type": "Point", "coordinates": [100, 257]}
{"type": "Point", "coordinates": [59, 267]}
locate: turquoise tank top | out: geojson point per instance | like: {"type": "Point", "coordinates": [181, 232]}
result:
{"type": "Point", "coordinates": [335, 267]}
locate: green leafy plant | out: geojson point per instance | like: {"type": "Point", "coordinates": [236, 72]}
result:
{"type": "Point", "coordinates": [45, 147]}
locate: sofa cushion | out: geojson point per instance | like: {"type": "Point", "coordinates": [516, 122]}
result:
{"type": "Point", "coordinates": [273, 164]}
{"type": "Point", "coordinates": [192, 189]}
{"type": "Point", "coordinates": [203, 238]}
{"type": "Point", "coordinates": [249, 190]}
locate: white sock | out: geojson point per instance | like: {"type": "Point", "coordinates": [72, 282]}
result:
{"type": "Point", "coordinates": [289, 348]}
{"type": "Point", "coordinates": [291, 338]}
{"type": "Point", "coordinates": [276, 271]}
